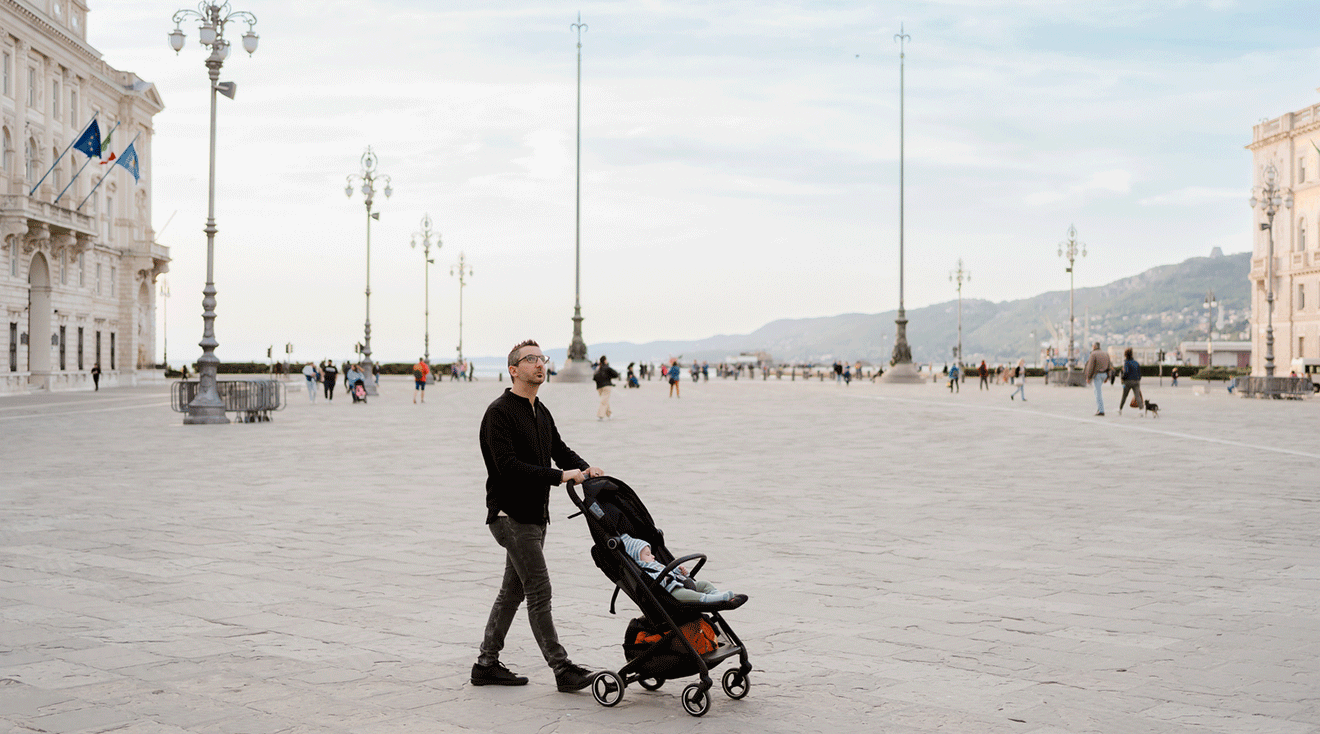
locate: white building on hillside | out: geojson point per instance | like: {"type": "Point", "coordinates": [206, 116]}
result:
{"type": "Point", "coordinates": [1289, 143]}
{"type": "Point", "coordinates": [77, 280]}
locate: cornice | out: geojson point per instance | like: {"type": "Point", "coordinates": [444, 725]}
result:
{"type": "Point", "coordinates": [39, 20]}
{"type": "Point", "coordinates": [1286, 135]}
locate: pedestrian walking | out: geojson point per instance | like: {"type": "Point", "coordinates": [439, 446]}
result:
{"type": "Point", "coordinates": [1132, 383]}
{"type": "Point", "coordinates": [1020, 380]}
{"type": "Point", "coordinates": [1175, 377]}
{"type": "Point", "coordinates": [984, 372]}
{"type": "Point", "coordinates": [96, 377]}
{"type": "Point", "coordinates": [674, 379]}
{"type": "Point", "coordinates": [953, 379]}
{"type": "Point", "coordinates": [518, 443]}
{"type": "Point", "coordinates": [1096, 372]}
{"type": "Point", "coordinates": [313, 377]}
{"type": "Point", "coordinates": [604, 377]}
{"type": "Point", "coordinates": [421, 373]}
{"type": "Point", "coordinates": [329, 377]}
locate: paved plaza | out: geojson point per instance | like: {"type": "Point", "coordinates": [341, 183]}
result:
{"type": "Point", "coordinates": [917, 561]}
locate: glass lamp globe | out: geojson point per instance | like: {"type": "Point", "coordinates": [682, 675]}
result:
{"type": "Point", "coordinates": [348, 191]}
{"type": "Point", "coordinates": [177, 39]}
{"type": "Point", "coordinates": [206, 34]}
{"type": "Point", "coordinates": [250, 42]}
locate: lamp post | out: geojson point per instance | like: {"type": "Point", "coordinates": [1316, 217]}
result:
{"type": "Point", "coordinates": [575, 367]}
{"type": "Point", "coordinates": [1069, 248]}
{"type": "Point", "coordinates": [1210, 304]}
{"type": "Point", "coordinates": [901, 369]}
{"type": "Point", "coordinates": [1271, 199]}
{"type": "Point", "coordinates": [462, 270]}
{"type": "Point", "coordinates": [958, 276]}
{"type": "Point", "coordinates": [207, 407]}
{"type": "Point", "coordinates": [368, 177]}
{"type": "Point", "coordinates": [164, 323]}
{"type": "Point", "coordinates": [425, 236]}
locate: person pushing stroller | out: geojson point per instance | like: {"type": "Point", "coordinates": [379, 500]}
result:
{"type": "Point", "coordinates": [681, 586]}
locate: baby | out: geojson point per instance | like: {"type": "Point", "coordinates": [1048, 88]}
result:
{"type": "Point", "coordinates": [677, 583]}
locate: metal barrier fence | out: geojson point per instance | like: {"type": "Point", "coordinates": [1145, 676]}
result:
{"type": "Point", "coordinates": [253, 399]}
{"type": "Point", "coordinates": [1295, 388]}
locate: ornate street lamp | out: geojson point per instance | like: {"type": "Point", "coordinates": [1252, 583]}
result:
{"type": "Point", "coordinates": [207, 406]}
{"type": "Point", "coordinates": [1210, 304]}
{"type": "Point", "coordinates": [1069, 248]}
{"type": "Point", "coordinates": [576, 368]}
{"type": "Point", "coordinates": [1271, 199]}
{"type": "Point", "coordinates": [164, 325]}
{"type": "Point", "coordinates": [901, 369]}
{"type": "Point", "coordinates": [958, 276]}
{"type": "Point", "coordinates": [462, 270]}
{"type": "Point", "coordinates": [425, 236]}
{"type": "Point", "coordinates": [368, 177]}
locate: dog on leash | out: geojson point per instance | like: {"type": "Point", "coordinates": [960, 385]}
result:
{"type": "Point", "coordinates": [1153, 409]}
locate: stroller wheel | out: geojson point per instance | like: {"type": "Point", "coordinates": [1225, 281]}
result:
{"type": "Point", "coordinates": [695, 700]}
{"type": "Point", "coordinates": [652, 684]}
{"type": "Point", "coordinates": [735, 683]}
{"type": "Point", "coordinates": [607, 687]}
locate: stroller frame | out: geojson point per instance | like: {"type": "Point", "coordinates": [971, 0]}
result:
{"type": "Point", "coordinates": [612, 508]}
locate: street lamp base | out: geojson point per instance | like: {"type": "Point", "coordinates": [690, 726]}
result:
{"type": "Point", "coordinates": [574, 370]}
{"type": "Point", "coordinates": [903, 373]}
{"type": "Point", "coordinates": [205, 415]}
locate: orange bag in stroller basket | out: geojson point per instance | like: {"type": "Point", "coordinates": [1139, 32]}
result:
{"type": "Point", "coordinates": [701, 635]}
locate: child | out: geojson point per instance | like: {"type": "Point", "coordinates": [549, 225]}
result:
{"type": "Point", "coordinates": [677, 583]}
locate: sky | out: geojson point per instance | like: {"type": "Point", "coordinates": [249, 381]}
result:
{"type": "Point", "coordinates": [739, 160]}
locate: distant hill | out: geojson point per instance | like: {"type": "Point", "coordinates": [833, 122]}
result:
{"type": "Point", "coordinates": [1160, 307]}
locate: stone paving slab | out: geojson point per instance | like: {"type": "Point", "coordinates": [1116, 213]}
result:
{"type": "Point", "coordinates": [917, 561]}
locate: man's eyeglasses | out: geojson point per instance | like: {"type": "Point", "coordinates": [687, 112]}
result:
{"type": "Point", "coordinates": [535, 359]}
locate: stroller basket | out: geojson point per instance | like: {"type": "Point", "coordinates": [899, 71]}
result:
{"type": "Point", "coordinates": [673, 639]}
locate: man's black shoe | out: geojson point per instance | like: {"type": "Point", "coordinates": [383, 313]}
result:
{"type": "Point", "coordinates": [495, 675]}
{"type": "Point", "coordinates": [573, 678]}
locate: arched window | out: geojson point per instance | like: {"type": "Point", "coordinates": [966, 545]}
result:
{"type": "Point", "coordinates": [7, 157]}
{"type": "Point", "coordinates": [1301, 235]}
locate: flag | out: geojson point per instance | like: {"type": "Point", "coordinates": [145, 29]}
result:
{"type": "Point", "coordinates": [129, 161]}
{"type": "Point", "coordinates": [105, 145]}
{"type": "Point", "coordinates": [90, 141]}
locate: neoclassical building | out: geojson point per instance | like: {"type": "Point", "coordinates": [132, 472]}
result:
{"type": "Point", "coordinates": [1289, 143]}
{"type": "Point", "coordinates": [77, 276]}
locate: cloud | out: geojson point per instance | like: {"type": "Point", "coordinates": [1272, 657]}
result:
{"type": "Point", "coordinates": [1115, 181]}
{"type": "Point", "coordinates": [1192, 196]}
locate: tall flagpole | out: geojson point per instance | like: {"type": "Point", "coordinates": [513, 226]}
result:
{"type": "Point", "coordinates": [901, 367]}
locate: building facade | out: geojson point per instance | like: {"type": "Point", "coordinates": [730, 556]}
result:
{"type": "Point", "coordinates": [1290, 144]}
{"type": "Point", "coordinates": [78, 268]}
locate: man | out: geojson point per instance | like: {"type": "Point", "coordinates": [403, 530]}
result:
{"type": "Point", "coordinates": [1096, 372]}
{"type": "Point", "coordinates": [330, 377]}
{"type": "Point", "coordinates": [604, 378]}
{"type": "Point", "coordinates": [518, 441]}
{"type": "Point", "coordinates": [420, 374]}
{"type": "Point", "coordinates": [984, 372]}
{"type": "Point", "coordinates": [96, 377]}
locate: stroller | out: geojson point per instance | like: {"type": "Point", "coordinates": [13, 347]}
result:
{"type": "Point", "coordinates": [358, 389]}
{"type": "Point", "coordinates": [673, 639]}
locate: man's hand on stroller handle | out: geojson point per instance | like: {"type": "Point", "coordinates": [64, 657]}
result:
{"type": "Point", "coordinates": [578, 476]}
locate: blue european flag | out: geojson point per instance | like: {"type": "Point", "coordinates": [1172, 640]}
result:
{"type": "Point", "coordinates": [129, 161]}
{"type": "Point", "coordinates": [90, 142]}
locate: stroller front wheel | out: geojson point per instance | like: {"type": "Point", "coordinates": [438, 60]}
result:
{"type": "Point", "coordinates": [607, 688]}
{"type": "Point", "coordinates": [696, 701]}
{"type": "Point", "coordinates": [735, 683]}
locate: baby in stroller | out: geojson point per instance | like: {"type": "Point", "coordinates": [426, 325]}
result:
{"type": "Point", "coordinates": [677, 582]}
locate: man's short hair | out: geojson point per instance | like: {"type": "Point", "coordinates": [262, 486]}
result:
{"type": "Point", "coordinates": [1097, 345]}
{"type": "Point", "coordinates": [513, 354]}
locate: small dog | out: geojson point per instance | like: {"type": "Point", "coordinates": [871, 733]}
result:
{"type": "Point", "coordinates": [1153, 408]}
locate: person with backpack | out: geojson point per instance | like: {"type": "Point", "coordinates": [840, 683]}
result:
{"type": "Point", "coordinates": [604, 377]}
{"type": "Point", "coordinates": [421, 372]}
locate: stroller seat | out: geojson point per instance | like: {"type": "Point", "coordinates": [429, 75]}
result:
{"type": "Point", "coordinates": [612, 509]}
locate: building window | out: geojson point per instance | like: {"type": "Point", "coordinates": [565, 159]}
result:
{"type": "Point", "coordinates": [54, 101]}
{"type": "Point", "coordinates": [59, 174]}
{"type": "Point", "coordinates": [73, 107]}
{"type": "Point", "coordinates": [98, 279]}
{"type": "Point", "coordinates": [109, 219]}
{"type": "Point", "coordinates": [1301, 296]}
{"type": "Point", "coordinates": [1301, 170]}
{"type": "Point", "coordinates": [13, 346]}
{"type": "Point", "coordinates": [112, 350]}
{"type": "Point", "coordinates": [8, 160]}
{"type": "Point", "coordinates": [5, 73]}
{"type": "Point", "coordinates": [112, 280]}
{"type": "Point", "coordinates": [80, 347]}
{"type": "Point", "coordinates": [64, 271]}
{"type": "Point", "coordinates": [82, 270]}
{"type": "Point", "coordinates": [32, 86]}
{"type": "Point", "coordinates": [30, 150]}
{"type": "Point", "coordinates": [1301, 235]}
{"type": "Point", "coordinates": [98, 349]}
{"type": "Point", "coordinates": [13, 262]}
{"type": "Point", "coordinates": [63, 361]}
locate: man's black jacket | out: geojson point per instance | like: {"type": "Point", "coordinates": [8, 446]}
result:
{"type": "Point", "coordinates": [517, 444]}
